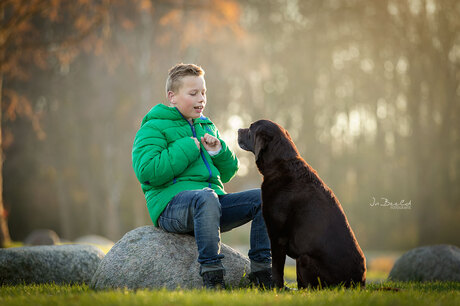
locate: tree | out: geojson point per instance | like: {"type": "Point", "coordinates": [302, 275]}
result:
{"type": "Point", "coordinates": [21, 44]}
{"type": "Point", "coordinates": [372, 89]}
{"type": "Point", "coordinates": [101, 37]}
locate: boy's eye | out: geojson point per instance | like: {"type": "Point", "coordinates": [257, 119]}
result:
{"type": "Point", "coordinates": [194, 93]}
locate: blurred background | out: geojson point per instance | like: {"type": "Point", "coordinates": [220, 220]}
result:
{"type": "Point", "coordinates": [368, 90]}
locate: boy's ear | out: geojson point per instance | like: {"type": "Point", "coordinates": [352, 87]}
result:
{"type": "Point", "coordinates": [171, 95]}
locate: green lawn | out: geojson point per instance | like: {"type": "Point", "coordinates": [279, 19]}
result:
{"type": "Point", "coordinates": [439, 293]}
{"type": "Point", "coordinates": [409, 294]}
{"type": "Point", "coordinates": [372, 276]}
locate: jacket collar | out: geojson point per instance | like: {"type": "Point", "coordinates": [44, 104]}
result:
{"type": "Point", "coordinates": [162, 111]}
{"type": "Point", "coordinates": [202, 118]}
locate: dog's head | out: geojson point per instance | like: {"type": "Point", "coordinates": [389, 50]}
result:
{"type": "Point", "coordinates": [268, 141]}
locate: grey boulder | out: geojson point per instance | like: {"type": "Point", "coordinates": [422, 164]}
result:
{"type": "Point", "coordinates": [428, 263]}
{"type": "Point", "coordinates": [148, 257]}
{"type": "Point", "coordinates": [61, 264]}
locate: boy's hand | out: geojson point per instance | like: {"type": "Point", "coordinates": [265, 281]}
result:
{"type": "Point", "coordinates": [211, 143]}
{"type": "Point", "coordinates": [196, 142]}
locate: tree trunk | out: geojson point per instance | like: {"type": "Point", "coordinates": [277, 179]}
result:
{"type": "Point", "coordinates": [4, 232]}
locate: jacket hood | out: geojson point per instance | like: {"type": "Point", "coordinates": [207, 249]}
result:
{"type": "Point", "coordinates": [163, 112]}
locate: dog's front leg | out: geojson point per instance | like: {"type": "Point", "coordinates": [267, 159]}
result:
{"type": "Point", "coordinates": [278, 260]}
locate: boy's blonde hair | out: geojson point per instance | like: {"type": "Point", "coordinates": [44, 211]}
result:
{"type": "Point", "coordinates": [176, 73]}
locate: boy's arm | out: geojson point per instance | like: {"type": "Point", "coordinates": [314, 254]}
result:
{"type": "Point", "coordinates": [225, 161]}
{"type": "Point", "coordinates": [155, 162]}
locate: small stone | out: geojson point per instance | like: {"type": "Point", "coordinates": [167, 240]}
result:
{"type": "Point", "coordinates": [42, 237]}
{"type": "Point", "coordinates": [94, 239]}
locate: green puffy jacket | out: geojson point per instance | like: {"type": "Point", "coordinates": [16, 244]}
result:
{"type": "Point", "coordinates": [167, 161]}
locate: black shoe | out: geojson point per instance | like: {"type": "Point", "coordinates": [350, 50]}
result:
{"type": "Point", "coordinates": [262, 279]}
{"type": "Point", "coordinates": [213, 279]}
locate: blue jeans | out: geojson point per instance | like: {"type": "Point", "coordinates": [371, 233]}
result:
{"type": "Point", "coordinates": [205, 215]}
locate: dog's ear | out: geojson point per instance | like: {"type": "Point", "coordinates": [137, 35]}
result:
{"type": "Point", "coordinates": [260, 142]}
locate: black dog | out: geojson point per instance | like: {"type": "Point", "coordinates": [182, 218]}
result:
{"type": "Point", "coordinates": [304, 218]}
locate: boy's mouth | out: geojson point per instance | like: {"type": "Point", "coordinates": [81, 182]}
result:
{"type": "Point", "coordinates": [198, 108]}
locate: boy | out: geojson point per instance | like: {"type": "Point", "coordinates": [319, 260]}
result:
{"type": "Point", "coordinates": [182, 163]}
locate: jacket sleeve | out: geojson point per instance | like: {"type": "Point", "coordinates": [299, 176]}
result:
{"type": "Point", "coordinates": [155, 162]}
{"type": "Point", "coordinates": [225, 161]}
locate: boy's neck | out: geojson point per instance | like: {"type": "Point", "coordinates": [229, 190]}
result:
{"type": "Point", "coordinates": [188, 119]}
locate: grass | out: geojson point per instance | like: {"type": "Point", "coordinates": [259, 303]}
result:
{"type": "Point", "coordinates": [436, 293]}
{"type": "Point", "coordinates": [410, 293]}
{"type": "Point", "coordinates": [372, 276]}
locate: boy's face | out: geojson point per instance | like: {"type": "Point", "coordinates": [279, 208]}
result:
{"type": "Point", "coordinates": [190, 99]}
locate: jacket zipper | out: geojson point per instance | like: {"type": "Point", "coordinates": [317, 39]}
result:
{"type": "Point", "coordinates": [201, 151]}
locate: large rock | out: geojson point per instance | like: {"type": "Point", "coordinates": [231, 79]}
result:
{"type": "Point", "coordinates": [42, 237]}
{"type": "Point", "coordinates": [61, 264]}
{"type": "Point", "coordinates": [429, 263]}
{"type": "Point", "coordinates": [149, 257]}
